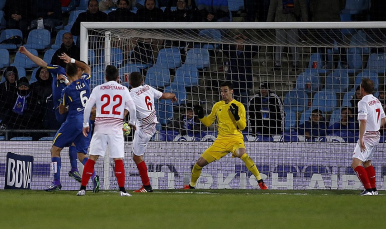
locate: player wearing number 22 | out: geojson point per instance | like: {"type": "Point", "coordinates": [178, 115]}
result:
{"type": "Point", "coordinates": [143, 96]}
{"type": "Point", "coordinates": [231, 121]}
{"type": "Point", "coordinates": [112, 102]}
{"type": "Point", "coordinates": [371, 117]}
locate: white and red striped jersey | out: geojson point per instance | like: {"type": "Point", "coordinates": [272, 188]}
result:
{"type": "Point", "coordinates": [143, 97]}
{"type": "Point", "coordinates": [111, 99]}
{"type": "Point", "coordinates": [371, 110]}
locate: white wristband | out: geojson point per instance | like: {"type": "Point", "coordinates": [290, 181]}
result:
{"type": "Point", "coordinates": [66, 81]}
{"type": "Point", "coordinates": [72, 61]}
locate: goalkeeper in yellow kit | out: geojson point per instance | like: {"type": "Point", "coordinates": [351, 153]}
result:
{"type": "Point", "coordinates": [231, 121]}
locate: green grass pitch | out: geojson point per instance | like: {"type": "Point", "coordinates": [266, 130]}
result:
{"type": "Point", "coordinates": [193, 209]}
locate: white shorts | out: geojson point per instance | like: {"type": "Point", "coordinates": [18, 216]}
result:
{"type": "Point", "coordinates": [370, 145]}
{"type": "Point", "coordinates": [140, 142]}
{"type": "Point", "coordinates": [100, 142]}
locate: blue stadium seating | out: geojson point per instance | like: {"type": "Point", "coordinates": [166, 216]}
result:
{"type": "Point", "coordinates": [324, 100]}
{"type": "Point", "coordinates": [73, 4]}
{"type": "Point", "coordinates": [346, 17]}
{"type": "Point", "coordinates": [83, 5]}
{"type": "Point", "coordinates": [354, 60]}
{"type": "Point", "coordinates": [33, 75]}
{"type": "Point", "coordinates": [359, 41]}
{"type": "Point", "coordinates": [169, 58]}
{"type": "Point", "coordinates": [22, 61]}
{"type": "Point", "coordinates": [347, 97]}
{"type": "Point", "coordinates": [308, 81]}
{"type": "Point", "coordinates": [116, 57]}
{"type": "Point", "coordinates": [165, 113]}
{"type": "Point", "coordinates": [4, 58]}
{"type": "Point", "coordinates": [3, 22]}
{"type": "Point", "coordinates": [198, 57]}
{"type": "Point", "coordinates": [125, 71]}
{"type": "Point", "coordinates": [335, 116]}
{"type": "Point", "coordinates": [48, 54]}
{"type": "Point", "coordinates": [8, 33]}
{"type": "Point", "coordinates": [367, 74]}
{"type": "Point", "coordinates": [97, 75]}
{"type": "Point", "coordinates": [235, 5]}
{"type": "Point", "coordinates": [316, 57]}
{"type": "Point", "coordinates": [337, 81]}
{"type": "Point", "coordinates": [72, 18]}
{"type": "Point", "coordinates": [46, 139]}
{"type": "Point", "coordinates": [157, 76]}
{"type": "Point", "coordinates": [377, 63]}
{"type": "Point", "coordinates": [187, 76]}
{"type": "Point", "coordinates": [213, 35]}
{"type": "Point", "coordinates": [305, 116]}
{"type": "Point", "coordinates": [296, 100]}
{"type": "Point", "coordinates": [91, 57]}
{"type": "Point", "coordinates": [356, 6]}
{"type": "Point", "coordinates": [21, 139]}
{"type": "Point", "coordinates": [290, 120]}
{"type": "Point", "coordinates": [39, 39]}
{"type": "Point", "coordinates": [180, 92]}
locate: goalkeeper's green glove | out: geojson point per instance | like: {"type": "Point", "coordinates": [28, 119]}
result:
{"type": "Point", "coordinates": [234, 109]}
{"type": "Point", "coordinates": [126, 129]}
{"type": "Point", "coordinates": [199, 111]}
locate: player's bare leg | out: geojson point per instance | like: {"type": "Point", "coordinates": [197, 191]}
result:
{"type": "Point", "coordinates": [251, 166]}
{"type": "Point", "coordinates": [141, 165]}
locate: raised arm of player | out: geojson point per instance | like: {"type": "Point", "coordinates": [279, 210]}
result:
{"type": "Point", "coordinates": [86, 114]}
{"type": "Point", "coordinates": [208, 120]}
{"type": "Point", "coordinates": [37, 60]}
{"type": "Point", "coordinates": [170, 96]}
{"type": "Point", "coordinates": [80, 64]}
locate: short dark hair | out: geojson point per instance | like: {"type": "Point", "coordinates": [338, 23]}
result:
{"type": "Point", "coordinates": [135, 79]}
{"type": "Point", "coordinates": [66, 33]}
{"type": "Point", "coordinates": [227, 84]}
{"type": "Point", "coordinates": [367, 85]}
{"type": "Point", "coordinates": [71, 69]}
{"type": "Point", "coordinates": [92, 1]}
{"type": "Point", "coordinates": [111, 73]}
{"type": "Point", "coordinates": [127, 2]}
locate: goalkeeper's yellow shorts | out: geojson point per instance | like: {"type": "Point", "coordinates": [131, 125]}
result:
{"type": "Point", "coordinates": [222, 146]}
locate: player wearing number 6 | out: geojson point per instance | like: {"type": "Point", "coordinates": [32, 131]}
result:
{"type": "Point", "coordinates": [143, 96]}
{"type": "Point", "coordinates": [231, 121]}
{"type": "Point", "coordinates": [112, 102]}
{"type": "Point", "coordinates": [371, 117]}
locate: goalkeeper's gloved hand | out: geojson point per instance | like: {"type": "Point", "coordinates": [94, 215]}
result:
{"type": "Point", "coordinates": [126, 129]}
{"type": "Point", "coordinates": [234, 109]}
{"type": "Point", "coordinates": [199, 111]}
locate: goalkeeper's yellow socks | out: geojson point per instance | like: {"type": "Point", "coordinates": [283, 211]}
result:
{"type": "Point", "coordinates": [251, 165]}
{"type": "Point", "coordinates": [196, 172]}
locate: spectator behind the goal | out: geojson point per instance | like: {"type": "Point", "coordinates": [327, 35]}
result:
{"type": "Point", "coordinates": [188, 124]}
{"type": "Point", "coordinates": [314, 127]}
{"type": "Point", "coordinates": [355, 99]}
{"type": "Point", "coordinates": [8, 91]}
{"type": "Point", "coordinates": [122, 13]}
{"type": "Point", "coordinates": [240, 66]}
{"type": "Point", "coordinates": [182, 14]}
{"type": "Point", "coordinates": [68, 47]}
{"type": "Point", "coordinates": [107, 4]}
{"type": "Point", "coordinates": [91, 15]}
{"type": "Point", "coordinates": [382, 94]}
{"type": "Point", "coordinates": [190, 4]}
{"type": "Point", "coordinates": [48, 10]}
{"type": "Point", "coordinates": [266, 112]}
{"type": "Point", "coordinates": [18, 15]}
{"type": "Point", "coordinates": [287, 11]}
{"type": "Point", "coordinates": [27, 112]}
{"type": "Point", "coordinates": [213, 10]}
{"type": "Point", "coordinates": [329, 11]}
{"type": "Point", "coordinates": [347, 125]}
{"type": "Point", "coordinates": [150, 13]}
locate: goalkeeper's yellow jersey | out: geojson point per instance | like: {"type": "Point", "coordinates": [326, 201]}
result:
{"type": "Point", "coordinates": [227, 124]}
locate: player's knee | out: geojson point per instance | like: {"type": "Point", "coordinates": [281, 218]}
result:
{"type": "Point", "coordinates": [239, 152]}
{"type": "Point", "coordinates": [137, 159]}
{"type": "Point", "coordinates": [201, 162]}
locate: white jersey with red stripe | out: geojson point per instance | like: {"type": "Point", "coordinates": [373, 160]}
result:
{"type": "Point", "coordinates": [144, 97]}
{"type": "Point", "coordinates": [371, 110]}
{"type": "Point", "coordinates": [111, 99]}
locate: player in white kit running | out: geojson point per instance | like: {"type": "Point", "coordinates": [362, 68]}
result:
{"type": "Point", "coordinates": [112, 102]}
{"type": "Point", "coordinates": [371, 117]}
{"type": "Point", "coordinates": [144, 96]}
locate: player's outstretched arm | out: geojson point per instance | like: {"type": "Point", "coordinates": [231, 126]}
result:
{"type": "Point", "coordinates": [170, 96]}
{"type": "Point", "coordinates": [37, 60]}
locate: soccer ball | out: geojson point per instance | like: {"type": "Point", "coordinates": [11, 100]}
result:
{"type": "Point", "coordinates": [126, 129]}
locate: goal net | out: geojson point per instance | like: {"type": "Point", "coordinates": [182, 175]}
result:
{"type": "Point", "coordinates": [297, 82]}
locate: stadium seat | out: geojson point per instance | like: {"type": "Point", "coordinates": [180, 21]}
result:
{"type": "Point", "coordinates": [72, 18]}
{"type": "Point", "coordinates": [354, 60]}
{"type": "Point", "coordinates": [335, 116]}
{"type": "Point", "coordinates": [187, 76]}
{"type": "Point", "coordinates": [305, 116]}
{"type": "Point", "coordinates": [290, 120]}
{"type": "Point", "coordinates": [125, 71]}
{"type": "Point", "coordinates": [22, 61]}
{"type": "Point", "coordinates": [39, 39]}
{"type": "Point", "coordinates": [296, 100]}
{"type": "Point", "coordinates": [235, 5]}
{"type": "Point", "coordinates": [346, 17]}
{"type": "Point", "coordinates": [91, 57]}
{"type": "Point", "coordinates": [33, 75]}
{"type": "Point", "coordinates": [377, 63]}
{"type": "Point", "coordinates": [316, 57]}
{"type": "Point", "coordinates": [116, 57]}
{"type": "Point", "coordinates": [83, 5]}
{"type": "Point", "coordinates": [157, 76]}
{"type": "Point", "coordinates": [73, 4]}
{"type": "Point", "coordinates": [8, 33]}
{"type": "Point", "coordinates": [4, 58]}
{"type": "Point", "coordinates": [97, 75]}
{"type": "Point", "coordinates": [324, 100]}
{"type": "Point", "coordinates": [213, 36]}
{"type": "Point", "coordinates": [58, 39]}
{"type": "Point", "coordinates": [169, 58]}
{"type": "Point", "coordinates": [355, 6]}
{"type": "Point", "coordinates": [198, 57]}
{"type": "Point", "coordinates": [308, 81]}
{"type": "Point", "coordinates": [359, 41]}
{"type": "Point", "coordinates": [347, 97]}
{"type": "Point", "coordinates": [337, 81]}
{"type": "Point", "coordinates": [21, 139]}
{"type": "Point", "coordinates": [48, 54]}
{"type": "Point", "coordinates": [367, 74]}
{"type": "Point", "coordinates": [180, 92]}
{"type": "Point", "coordinates": [165, 113]}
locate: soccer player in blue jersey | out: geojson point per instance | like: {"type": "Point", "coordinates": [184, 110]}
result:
{"type": "Point", "coordinates": [58, 84]}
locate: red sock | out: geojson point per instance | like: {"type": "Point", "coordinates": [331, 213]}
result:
{"type": "Point", "coordinates": [362, 175]}
{"type": "Point", "coordinates": [120, 173]}
{"type": "Point", "coordinates": [371, 175]}
{"type": "Point", "coordinates": [88, 170]}
{"type": "Point", "coordinates": [143, 173]}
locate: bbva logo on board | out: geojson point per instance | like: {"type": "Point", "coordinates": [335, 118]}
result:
{"type": "Point", "coordinates": [19, 171]}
